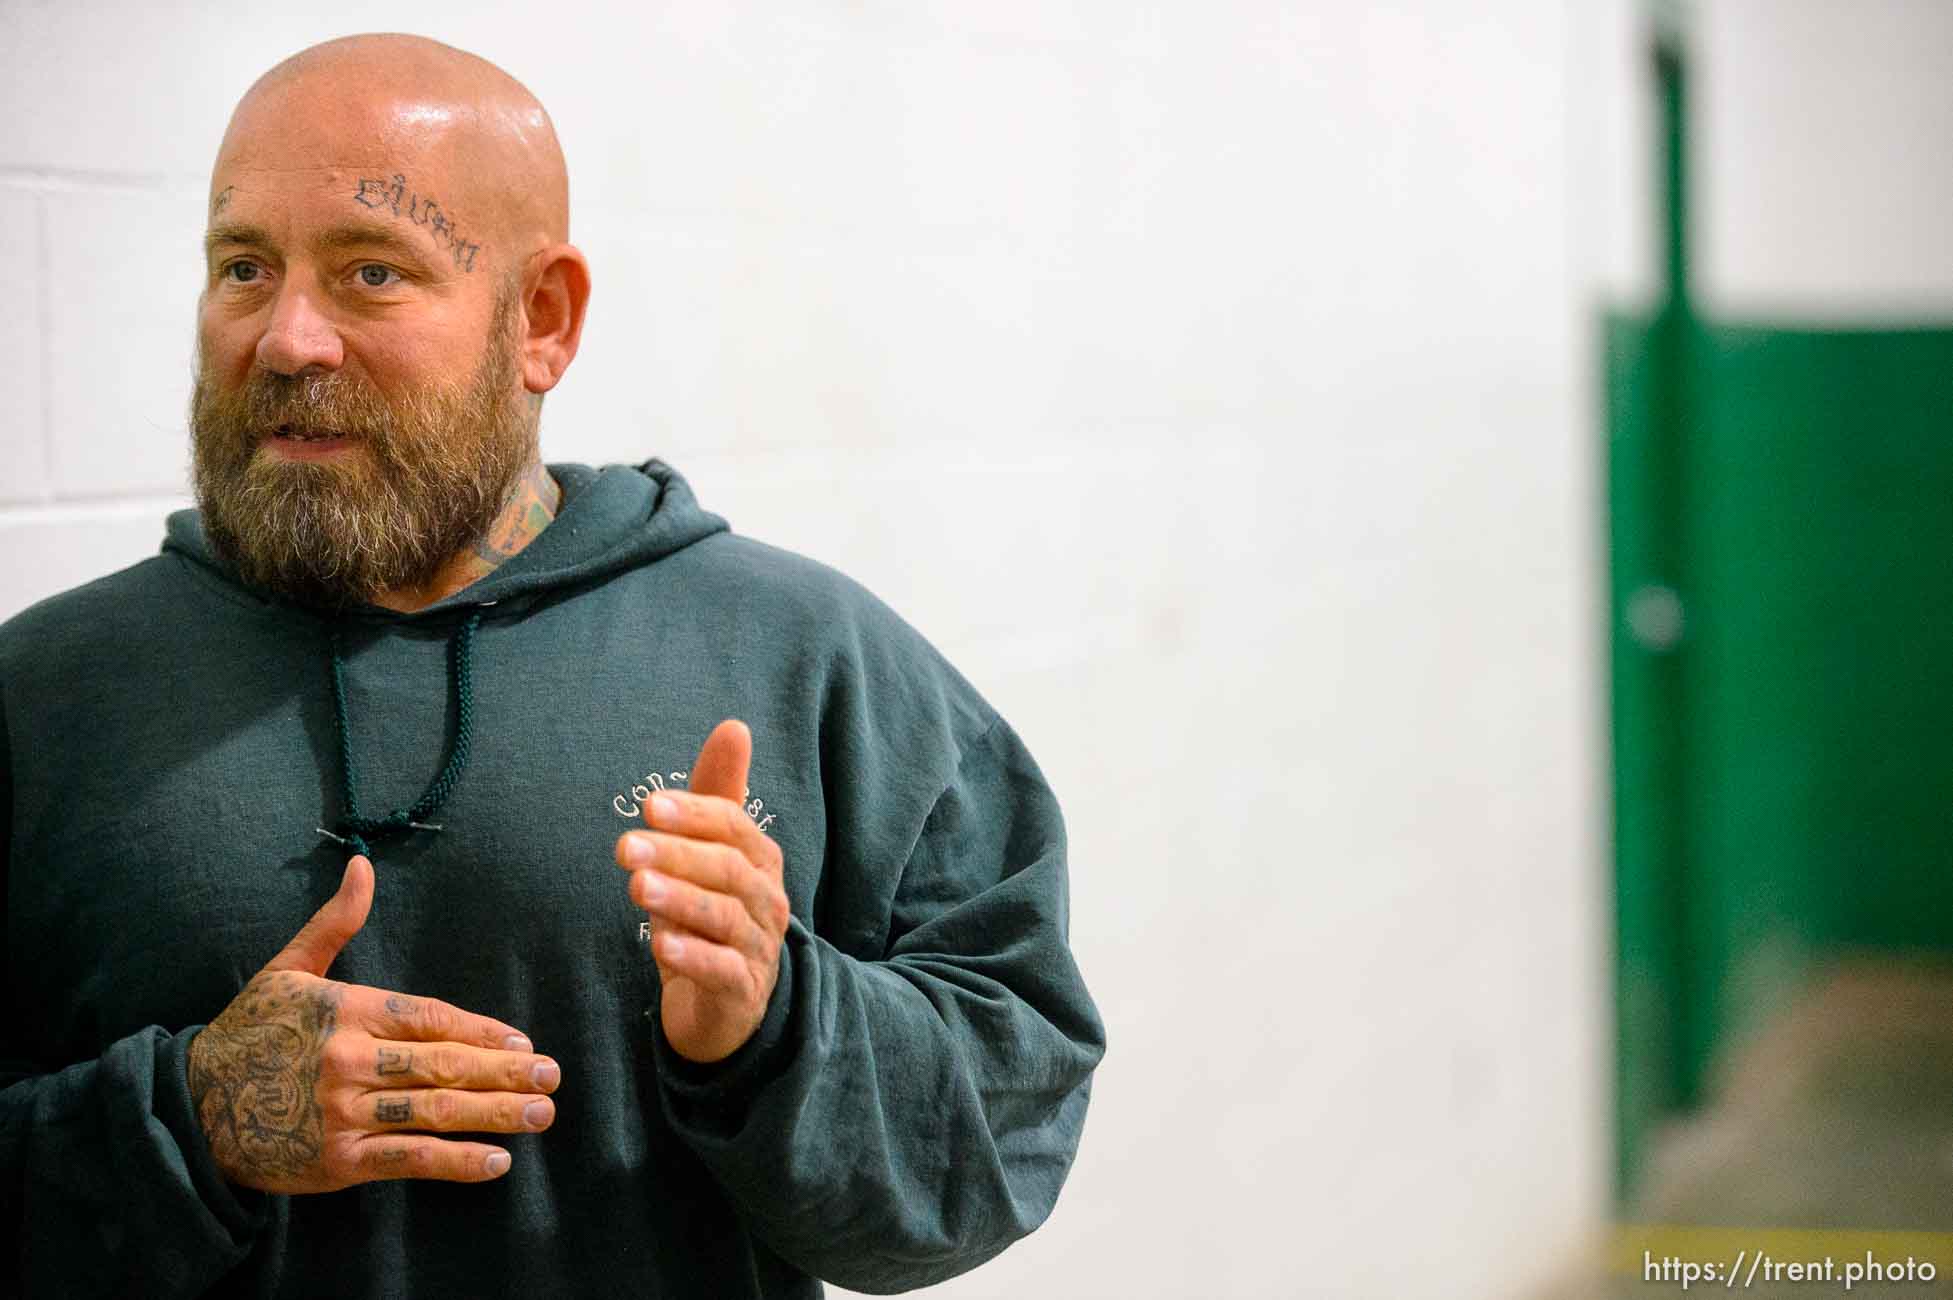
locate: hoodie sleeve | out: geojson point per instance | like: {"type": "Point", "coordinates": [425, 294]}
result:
{"type": "Point", "coordinates": [107, 1187]}
{"type": "Point", "coordinates": [897, 1122]}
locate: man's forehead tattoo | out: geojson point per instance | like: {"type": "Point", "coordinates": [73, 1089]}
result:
{"type": "Point", "coordinates": [222, 201]}
{"type": "Point", "coordinates": [422, 210]}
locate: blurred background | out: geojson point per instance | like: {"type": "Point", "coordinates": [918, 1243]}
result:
{"type": "Point", "coordinates": [1456, 496]}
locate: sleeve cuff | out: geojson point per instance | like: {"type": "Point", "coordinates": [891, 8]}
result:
{"type": "Point", "coordinates": [243, 1211]}
{"type": "Point", "coordinates": [724, 1089]}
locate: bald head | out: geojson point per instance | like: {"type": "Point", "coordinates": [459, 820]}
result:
{"type": "Point", "coordinates": [433, 136]}
{"type": "Point", "coordinates": [388, 293]}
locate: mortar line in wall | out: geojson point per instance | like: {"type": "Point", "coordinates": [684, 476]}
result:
{"type": "Point", "coordinates": [103, 496]}
{"type": "Point", "coordinates": [70, 180]}
{"type": "Point", "coordinates": [70, 508]}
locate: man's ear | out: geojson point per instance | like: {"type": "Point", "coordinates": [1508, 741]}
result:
{"type": "Point", "coordinates": [555, 292]}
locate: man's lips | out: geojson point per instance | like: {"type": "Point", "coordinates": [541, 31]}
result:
{"type": "Point", "coordinates": [304, 433]}
{"type": "Point", "coordinates": [305, 443]}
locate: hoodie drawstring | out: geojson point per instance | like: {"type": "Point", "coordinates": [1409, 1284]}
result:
{"type": "Point", "coordinates": [354, 830]}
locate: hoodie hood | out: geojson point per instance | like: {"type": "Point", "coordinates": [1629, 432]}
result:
{"type": "Point", "coordinates": [610, 519]}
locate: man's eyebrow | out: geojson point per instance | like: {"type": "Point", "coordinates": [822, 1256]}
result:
{"type": "Point", "coordinates": [334, 240]}
{"type": "Point", "coordinates": [234, 233]}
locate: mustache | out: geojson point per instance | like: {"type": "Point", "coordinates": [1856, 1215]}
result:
{"type": "Point", "coordinates": [338, 403]}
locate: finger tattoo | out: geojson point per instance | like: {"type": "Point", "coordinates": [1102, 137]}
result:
{"type": "Point", "coordinates": [393, 1110]}
{"type": "Point", "coordinates": [394, 1060]}
{"type": "Point", "coordinates": [401, 1006]}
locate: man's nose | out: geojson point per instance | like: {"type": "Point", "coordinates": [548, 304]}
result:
{"type": "Point", "coordinates": [298, 336]}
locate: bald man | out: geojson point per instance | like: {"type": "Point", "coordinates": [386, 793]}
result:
{"type": "Point", "coordinates": [713, 938]}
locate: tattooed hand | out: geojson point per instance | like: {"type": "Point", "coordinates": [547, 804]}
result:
{"type": "Point", "coordinates": [305, 1084]}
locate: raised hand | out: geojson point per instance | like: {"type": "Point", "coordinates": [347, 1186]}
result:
{"type": "Point", "coordinates": [713, 884]}
{"type": "Point", "coordinates": [305, 1084]}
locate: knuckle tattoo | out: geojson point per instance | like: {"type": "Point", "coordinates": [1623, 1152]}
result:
{"type": "Point", "coordinates": [441, 1109]}
{"type": "Point", "coordinates": [394, 1060]}
{"type": "Point", "coordinates": [393, 1110]}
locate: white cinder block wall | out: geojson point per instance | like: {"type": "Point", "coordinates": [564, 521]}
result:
{"type": "Point", "coordinates": [1824, 180]}
{"type": "Point", "coordinates": [1211, 381]}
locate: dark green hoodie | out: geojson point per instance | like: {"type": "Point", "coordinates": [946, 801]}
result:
{"type": "Point", "coordinates": [168, 747]}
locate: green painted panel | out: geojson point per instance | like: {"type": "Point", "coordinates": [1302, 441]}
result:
{"type": "Point", "coordinates": [1818, 688]}
{"type": "Point", "coordinates": [1646, 715]}
{"type": "Point", "coordinates": [1783, 750]}
{"type": "Point", "coordinates": [1784, 773]}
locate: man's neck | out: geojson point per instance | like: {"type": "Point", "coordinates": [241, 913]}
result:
{"type": "Point", "coordinates": [527, 513]}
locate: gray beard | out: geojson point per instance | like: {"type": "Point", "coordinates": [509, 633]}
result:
{"type": "Point", "coordinates": [429, 474]}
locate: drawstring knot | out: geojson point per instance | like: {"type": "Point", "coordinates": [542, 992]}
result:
{"type": "Point", "coordinates": [354, 830]}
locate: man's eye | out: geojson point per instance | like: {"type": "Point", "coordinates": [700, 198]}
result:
{"type": "Point", "coordinates": [375, 276]}
{"type": "Point", "coordinates": [241, 272]}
